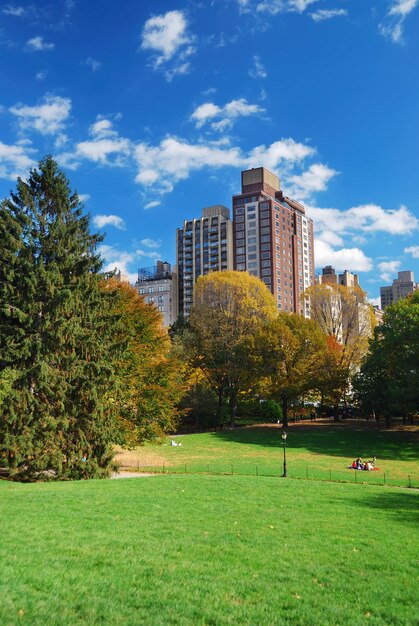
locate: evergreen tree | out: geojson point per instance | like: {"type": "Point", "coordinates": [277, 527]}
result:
{"type": "Point", "coordinates": [55, 332]}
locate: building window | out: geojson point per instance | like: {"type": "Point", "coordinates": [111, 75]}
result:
{"type": "Point", "coordinates": [241, 267]}
{"type": "Point", "coordinates": [265, 246]}
{"type": "Point", "coordinates": [253, 264]}
{"type": "Point", "coordinates": [151, 300]}
{"type": "Point", "coordinates": [142, 290]}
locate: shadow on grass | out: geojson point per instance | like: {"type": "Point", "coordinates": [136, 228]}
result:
{"type": "Point", "coordinates": [345, 439]}
{"type": "Point", "coordinates": [402, 505]}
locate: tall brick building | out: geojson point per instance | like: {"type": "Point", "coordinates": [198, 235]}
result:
{"type": "Point", "coordinates": [273, 239]}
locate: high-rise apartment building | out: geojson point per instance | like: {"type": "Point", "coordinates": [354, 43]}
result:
{"type": "Point", "coordinates": [273, 239]}
{"type": "Point", "coordinates": [158, 286]}
{"type": "Point", "coordinates": [203, 245]}
{"type": "Point", "coordinates": [402, 286]}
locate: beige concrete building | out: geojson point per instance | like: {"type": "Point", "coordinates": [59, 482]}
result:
{"type": "Point", "coordinates": [273, 239]}
{"type": "Point", "coordinates": [203, 245]}
{"type": "Point", "coordinates": [329, 277]}
{"type": "Point", "coordinates": [402, 286]}
{"type": "Point", "coordinates": [158, 286]}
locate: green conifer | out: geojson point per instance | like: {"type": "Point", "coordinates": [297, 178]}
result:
{"type": "Point", "coordinates": [55, 335]}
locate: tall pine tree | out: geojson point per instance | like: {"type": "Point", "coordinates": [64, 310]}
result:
{"type": "Point", "coordinates": [55, 335]}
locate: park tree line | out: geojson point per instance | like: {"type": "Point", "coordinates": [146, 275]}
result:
{"type": "Point", "coordinates": [245, 349]}
{"type": "Point", "coordinates": [85, 362]}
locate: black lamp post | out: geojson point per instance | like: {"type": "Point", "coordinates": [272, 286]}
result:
{"type": "Point", "coordinates": [284, 441]}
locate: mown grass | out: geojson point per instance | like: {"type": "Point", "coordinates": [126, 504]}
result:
{"type": "Point", "coordinates": [318, 451]}
{"type": "Point", "coordinates": [208, 550]}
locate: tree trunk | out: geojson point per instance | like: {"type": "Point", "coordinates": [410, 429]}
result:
{"type": "Point", "coordinates": [233, 408]}
{"type": "Point", "coordinates": [388, 420]}
{"type": "Point", "coordinates": [335, 412]}
{"type": "Point", "coordinates": [285, 412]}
{"type": "Point", "coordinates": [220, 408]}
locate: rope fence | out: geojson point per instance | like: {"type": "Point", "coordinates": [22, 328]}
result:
{"type": "Point", "coordinates": [381, 477]}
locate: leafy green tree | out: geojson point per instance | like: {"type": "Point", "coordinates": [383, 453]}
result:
{"type": "Point", "coordinates": [291, 347]}
{"type": "Point", "coordinates": [228, 311]}
{"type": "Point", "coordinates": [55, 331]}
{"type": "Point", "coordinates": [388, 382]}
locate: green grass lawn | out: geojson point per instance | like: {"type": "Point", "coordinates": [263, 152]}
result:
{"type": "Point", "coordinates": [194, 549]}
{"type": "Point", "coordinates": [319, 451]}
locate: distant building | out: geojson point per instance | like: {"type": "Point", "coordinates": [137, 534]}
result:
{"type": "Point", "coordinates": [402, 286]}
{"type": "Point", "coordinates": [378, 314]}
{"type": "Point", "coordinates": [203, 245]}
{"type": "Point", "coordinates": [158, 286]}
{"type": "Point", "coordinates": [117, 275]}
{"type": "Point", "coordinates": [329, 277]}
{"type": "Point", "coordinates": [273, 239]}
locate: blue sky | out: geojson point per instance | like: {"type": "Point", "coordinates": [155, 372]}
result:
{"type": "Point", "coordinates": [154, 108]}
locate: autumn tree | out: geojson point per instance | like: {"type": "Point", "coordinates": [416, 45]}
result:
{"type": "Point", "coordinates": [291, 348]}
{"type": "Point", "coordinates": [344, 315]}
{"type": "Point", "coordinates": [149, 372]}
{"type": "Point", "coordinates": [228, 311]}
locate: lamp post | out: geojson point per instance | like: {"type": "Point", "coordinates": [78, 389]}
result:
{"type": "Point", "coordinates": [284, 441]}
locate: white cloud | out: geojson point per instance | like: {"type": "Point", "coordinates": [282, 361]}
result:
{"type": "Point", "coordinates": [393, 26]}
{"type": "Point", "coordinates": [413, 250]}
{"type": "Point", "coordinates": [16, 11]}
{"type": "Point", "coordinates": [105, 147]}
{"type": "Point", "coordinates": [151, 243]}
{"type": "Point", "coordinates": [284, 150]}
{"type": "Point", "coordinates": [120, 260]}
{"type": "Point", "coordinates": [155, 256]}
{"type": "Point", "coordinates": [365, 218]}
{"type": "Point", "coordinates": [15, 161]}
{"type": "Point", "coordinates": [257, 69]}
{"type": "Point", "coordinates": [152, 204]}
{"type": "Point", "coordinates": [344, 258]}
{"type": "Point", "coordinates": [327, 14]}
{"type": "Point", "coordinates": [225, 115]}
{"type": "Point", "coordinates": [92, 63]}
{"type": "Point", "coordinates": [47, 118]}
{"type": "Point", "coordinates": [273, 7]}
{"type": "Point", "coordinates": [314, 179]}
{"type": "Point", "coordinates": [37, 44]}
{"type": "Point", "coordinates": [41, 75]}
{"type": "Point", "coordinates": [84, 197]}
{"type": "Point", "coordinates": [109, 220]}
{"type": "Point", "coordinates": [375, 301]}
{"type": "Point", "coordinates": [388, 269]}
{"type": "Point", "coordinates": [174, 159]}
{"type": "Point", "coordinates": [168, 38]}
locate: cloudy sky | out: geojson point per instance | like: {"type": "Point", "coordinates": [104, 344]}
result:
{"type": "Point", "coordinates": [153, 108]}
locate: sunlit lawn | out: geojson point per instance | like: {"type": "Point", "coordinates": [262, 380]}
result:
{"type": "Point", "coordinates": [197, 549]}
{"type": "Point", "coordinates": [318, 450]}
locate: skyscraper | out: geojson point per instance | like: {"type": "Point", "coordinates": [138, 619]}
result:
{"type": "Point", "coordinates": [203, 245]}
{"type": "Point", "coordinates": [273, 239]}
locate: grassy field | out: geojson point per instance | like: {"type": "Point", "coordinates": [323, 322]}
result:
{"type": "Point", "coordinates": [213, 550]}
{"type": "Point", "coordinates": [314, 450]}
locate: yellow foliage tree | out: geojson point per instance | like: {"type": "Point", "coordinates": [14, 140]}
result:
{"type": "Point", "coordinates": [229, 310]}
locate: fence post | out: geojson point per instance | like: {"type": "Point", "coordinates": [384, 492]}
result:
{"type": "Point", "coordinates": [384, 478]}
{"type": "Point", "coordinates": [257, 470]}
{"type": "Point", "coordinates": [410, 482]}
